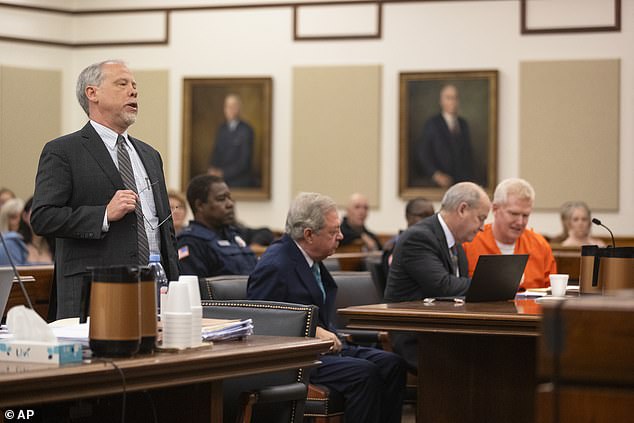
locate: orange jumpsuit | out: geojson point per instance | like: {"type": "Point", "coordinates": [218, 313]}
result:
{"type": "Point", "coordinates": [541, 262]}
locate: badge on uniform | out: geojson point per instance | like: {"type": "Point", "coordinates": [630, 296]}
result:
{"type": "Point", "coordinates": [183, 252]}
{"type": "Point", "coordinates": [240, 241]}
{"type": "Point", "coordinates": [224, 243]}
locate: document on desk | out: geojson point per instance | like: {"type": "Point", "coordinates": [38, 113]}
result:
{"type": "Point", "coordinates": [75, 333]}
{"type": "Point", "coordinates": [533, 293]}
{"type": "Point", "coordinates": [222, 330]}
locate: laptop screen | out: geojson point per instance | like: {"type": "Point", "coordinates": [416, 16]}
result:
{"type": "Point", "coordinates": [496, 277]}
{"type": "Point", "coordinates": [6, 281]}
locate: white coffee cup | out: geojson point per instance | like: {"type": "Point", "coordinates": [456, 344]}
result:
{"type": "Point", "coordinates": [558, 284]}
{"type": "Point", "coordinates": [196, 308]}
{"type": "Point", "coordinates": [178, 298]}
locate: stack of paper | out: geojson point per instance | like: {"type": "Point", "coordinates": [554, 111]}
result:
{"type": "Point", "coordinates": [222, 330]}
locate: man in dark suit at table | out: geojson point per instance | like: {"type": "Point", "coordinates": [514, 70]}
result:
{"type": "Point", "coordinates": [444, 154]}
{"type": "Point", "coordinates": [428, 259]}
{"type": "Point", "coordinates": [372, 381]}
{"type": "Point", "coordinates": [99, 191]}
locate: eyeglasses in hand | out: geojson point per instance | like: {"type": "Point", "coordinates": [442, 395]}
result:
{"type": "Point", "coordinates": [148, 187]}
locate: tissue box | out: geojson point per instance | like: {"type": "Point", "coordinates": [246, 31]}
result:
{"type": "Point", "coordinates": [40, 352]}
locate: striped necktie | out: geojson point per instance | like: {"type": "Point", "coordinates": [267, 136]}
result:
{"type": "Point", "coordinates": [454, 260]}
{"type": "Point", "coordinates": [127, 174]}
{"type": "Point", "coordinates": [317, 274]}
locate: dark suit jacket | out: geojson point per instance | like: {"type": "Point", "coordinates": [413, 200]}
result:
{"type": "Point", "coordinates": [76, 179]}
{"type": "Point", "coordinates": [440, 150]}
{"type": "Point", "coordinates": [421, 265]}
{"type": "Point", "coordinates": [233, 153]}
{"type": "Point", "coordinates": [282, 274]}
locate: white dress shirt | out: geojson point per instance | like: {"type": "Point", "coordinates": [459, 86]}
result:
{"type": "Point", "coordinates": [143, 184]}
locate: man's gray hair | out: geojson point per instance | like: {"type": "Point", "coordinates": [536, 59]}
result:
{"type": "Point", "coordinates": [513, 186]}
{"type": "Point", "coordinates": [308, 211]}
{"type": "Point", "coordinates": [92, 75]}
{"type": "Point", "coordinates": [463, 192]}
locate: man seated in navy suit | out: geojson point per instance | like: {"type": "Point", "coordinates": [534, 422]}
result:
{"type": "Point", "coordinates": [372, 381]}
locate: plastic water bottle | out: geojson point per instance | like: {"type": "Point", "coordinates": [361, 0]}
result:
{"type": "Point", "coordinates": [162, 283]}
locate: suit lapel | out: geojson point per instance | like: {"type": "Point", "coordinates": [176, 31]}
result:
{"type": "Point", "coordinates": [96, 148]}
{"type": "Point", "coordinates": [305, 274]}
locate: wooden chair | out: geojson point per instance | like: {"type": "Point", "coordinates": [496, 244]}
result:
{"type": "Point", "coordinates": [277, 397]}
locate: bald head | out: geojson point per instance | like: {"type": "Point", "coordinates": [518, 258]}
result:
{"type": "Point", "coordinates": [357, 210]}
{"type": "Point", "coordinates": [464, 209]}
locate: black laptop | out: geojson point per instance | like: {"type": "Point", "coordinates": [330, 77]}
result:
{"type": "Point", "coordinates": [496, 277]}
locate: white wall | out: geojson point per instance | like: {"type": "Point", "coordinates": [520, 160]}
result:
{"type": "Point", "coordinates": [416, 37]}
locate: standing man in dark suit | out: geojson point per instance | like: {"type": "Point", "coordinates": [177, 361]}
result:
{"type": "Point", "coordinates": [429, 261]}
{"type": "Point", "coordinates": [232, 155]}
{"type": "Point", "coordinates": [372, 381]}
{"type": "Point", "coordinates": [99, 191]}
{"type": "Point", "coordinates": [444, 152]}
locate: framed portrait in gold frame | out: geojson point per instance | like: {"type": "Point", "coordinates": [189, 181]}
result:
{"type": "Point", "coordinates": [227, 131]}
{"type": "Point", "coordinates": [447, 131]}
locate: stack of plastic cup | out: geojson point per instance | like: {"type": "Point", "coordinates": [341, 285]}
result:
{"type": "Point", "coordinates": [196, 308]}
{"type": "Point", "coordinates": [177, 332]}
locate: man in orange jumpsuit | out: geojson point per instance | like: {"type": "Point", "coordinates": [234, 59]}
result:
{"type": "Point", "coordinates": [512, 205]}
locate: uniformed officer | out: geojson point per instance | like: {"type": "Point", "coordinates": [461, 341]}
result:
{"type": "Point", "coordinates": [210, 246]}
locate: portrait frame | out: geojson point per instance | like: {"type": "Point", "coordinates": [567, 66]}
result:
{"type": "Point", "coordinates": [419, 101]}
{"type": "Point", "coordinates": [203, 105]}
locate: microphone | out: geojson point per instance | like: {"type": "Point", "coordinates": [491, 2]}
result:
{"type": "Point", "coordinates": [15, 272]}
{"type": "Point", "coordinates": [598, 222]}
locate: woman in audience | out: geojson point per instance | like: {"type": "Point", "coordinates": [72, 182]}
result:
{"type": "Point", "coordinates": [9, 222]}
{"type": "Point", "coordinates": [179, 210]}
{"type": "Point", "coordinates": [577, 223]}
{"type": "Point", "coordinates": [5, 195]}
{"type": "Point", "coordinates": [41, 249]}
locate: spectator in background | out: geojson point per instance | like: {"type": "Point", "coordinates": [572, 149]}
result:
{"type": "Point", "coordinates": [41, 249]}
{"type": "Point", "coordinates": [10, 215]}
{"type": "Point", "coordinates": [577, 224]}
{"type": "Point", "coordinates": [9, 223]}
{"type": "Point", "coordinates": [415, 210]}
{"type": "Point", "coordinates": [5, 195]}
{"type": "Point", "coordinates": [353, 225]}
{"type": "Point", "coordinates": [210, 245]}
{"type": "Point", "coordinates": [512, 206]}
{"type": "Point", "coordinates": [232, 154]}
{"type": "Point", "coordinates": [178, 206]}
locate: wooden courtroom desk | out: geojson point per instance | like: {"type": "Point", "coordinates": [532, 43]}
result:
{"type": "Point", "coordinates": [38, 282]}
{"type": "Point", "coordinates": [24, 384]}
{"type": "Point", "coordinates": [477, 361]}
